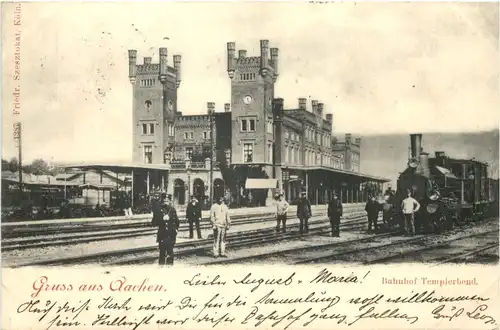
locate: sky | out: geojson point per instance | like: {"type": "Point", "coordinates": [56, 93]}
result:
{"type": "Point", "coordinates": [380, 68]}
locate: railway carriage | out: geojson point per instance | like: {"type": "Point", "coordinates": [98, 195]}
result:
{"type": "Point", "coordinates": [450, 191]}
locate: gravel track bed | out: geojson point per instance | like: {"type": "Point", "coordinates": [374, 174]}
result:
{"type": "Point", "coordinates": [292, 257]}
{"type": "Point", "coordinates": [207, 247]}
{"type": "Point", "coordinates": [12, 257]}
{"type": "Point", "coordinates": [324, 237]}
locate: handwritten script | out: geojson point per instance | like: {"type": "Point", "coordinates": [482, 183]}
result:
{"type": "Point", "coordinates": [321, 299]}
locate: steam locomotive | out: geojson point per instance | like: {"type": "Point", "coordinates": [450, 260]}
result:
{"type": "Point", "coordinates": [450, 191]}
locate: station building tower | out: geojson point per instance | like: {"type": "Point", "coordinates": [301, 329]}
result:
{"type": "Point", "coordinates": [253, 81]}
{"type": "Point", "coordinates": [154, 106]}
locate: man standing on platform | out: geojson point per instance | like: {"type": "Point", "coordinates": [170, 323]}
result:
{"type": "Point", "coordinates": [219, 215]}
{"type": "Point", "coordinates": [281, 210]}
{"type": "Point", "coordinates": [335, 211]}
{"type": "Point", "coordinates": [165, 217]}
{"type": "Point", "coordinates": [409, 206]}
{"type": "Point", "coordinates": [372, 208]}
{"type": "Point", "coordinates": [193, 215]}
{"type": "Point", "coordinates": [304, 213]}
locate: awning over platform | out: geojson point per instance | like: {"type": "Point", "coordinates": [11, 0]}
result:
{"type": "Point", "coordinates": [121, 168]}
{"type": "Point", "coordinates": [98, 186]}
{"type": "Point", "coordinates": [261, 184]}
{"type": "Point", "coordinates": [27, 182]}
{"type": "Point", "coordinates": [336, 170]}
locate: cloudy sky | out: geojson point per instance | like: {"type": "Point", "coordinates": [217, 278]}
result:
{"type": "Point", "coordinates": [380, 68]}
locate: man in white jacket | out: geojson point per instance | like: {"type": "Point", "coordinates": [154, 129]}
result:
{"type": "Point", "coordinates": [219, 215]}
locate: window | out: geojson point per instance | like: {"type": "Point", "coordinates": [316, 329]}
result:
{"type": "Point", "coordinates": [270, 152]}
{"type": "Point", "coordinates": [148, 129]}
{"type": "Point", "coordinates": [248, 153]}
{"type": "Point", "coordinates": [189, 153]}
{"type": "Point", "coordinates": [286, 135]}
{"type": "Point", "coordinates": [170, 130]}
{"type": "Point", "coordinates": [191, 135]}
{"type": "Point", "coordinates": [286, 155]}
{"type": "Point", "coordinates": [148, 154]}
{"type": "Point", "coordinates": [247, 76]}
{"type": "Point", "coordinates": [186, 135]}
{"type": "Point", "coordinates": [269, 126]}
{"type": "Point", "coordinates": [205, 135]}
{"type": "Point", "coordinates": [147, 82]}
{"type": "Point", "coordinates": [248, 125]}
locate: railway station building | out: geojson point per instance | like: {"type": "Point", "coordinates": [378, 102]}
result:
{"type": "Point", "coordinates": [248, 149]}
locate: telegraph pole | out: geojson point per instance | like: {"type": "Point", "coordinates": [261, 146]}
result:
{"type": "Point", "coordinates": [211, 114]}
{"type": "Point", "coordinates": [17, 135]}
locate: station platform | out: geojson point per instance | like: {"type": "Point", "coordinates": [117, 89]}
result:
{"type": "Point", "coordinates": [13, 258]}
{"type": "Point", "coordinates": [139, 218]}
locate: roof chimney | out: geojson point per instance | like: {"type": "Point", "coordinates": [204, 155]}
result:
{"type": "Point", "coordinates": [329, 117]}
{"type": "Point", "coordinates": [319, 109]}
{"type": "Point", "coordinates": [227, 107]}
{"type": "Point", "coordinates": [210, 107]}
{"type": "Point", "coordinates": [302, 103]}
{"type": "Point", "coordinates": [242, 53]}
{"type": "Point", "coordinates": [314, 105]}
{"type": "Point", "coordinates": [147, 60]}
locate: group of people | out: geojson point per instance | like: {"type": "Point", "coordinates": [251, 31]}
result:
{"type": "Point", "coordinates": [166, 219]}
{"type": "Point", "coordinates": [304, 213]}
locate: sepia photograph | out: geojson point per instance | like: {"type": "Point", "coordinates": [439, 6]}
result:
{"type": "Point", "coordinates": [249, 134]}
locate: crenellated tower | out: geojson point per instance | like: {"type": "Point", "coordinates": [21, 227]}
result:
{"type": "Point", "coordinates": [154, 106]}
{"type": "Point", "coordinates": [252, 93]}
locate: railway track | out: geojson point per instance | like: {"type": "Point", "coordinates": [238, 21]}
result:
{"type": "Point", "coordinates": [354, 250]}
{"type": "Point", "coordinates": [148, 254]}
{"type": "Point", "coordinates": [101, 235]}
{"type": "Point", "coordinates": [43, 230]}
{"type": "Point", "coordinates": [78, 238]}
{"type": "Point", "coordinates": [452, 251]}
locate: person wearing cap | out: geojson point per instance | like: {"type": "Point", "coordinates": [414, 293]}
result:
{"type": "Point", "coordinates": [281, 210]}
{"type": "Point", "coordinates": [372, 208]}
{"type": "Point", "coordinates": [166, 219]}
{"type": "Point", "coordinates": [335, 211]}
{"type": "Point", "coordinates": [304, 213]}
{"type": "Point", "coordinates": [193, 215]}
{"type": "Point", "coordinates": [219, 216]}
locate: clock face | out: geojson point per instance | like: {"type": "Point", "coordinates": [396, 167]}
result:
{"type": "Point", "coordinates": [247, 99]}
{"type": "Point", "coordinates": [170, 105]}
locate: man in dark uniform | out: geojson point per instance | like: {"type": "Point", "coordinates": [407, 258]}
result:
{"type": "Point", "coordinates": [165, 217]}
{"type": "Point", "coordinates": [193, 215]}
{"type": "Point", "coordinates": [304, 213]}
{"type": "Point", "coordinates": [372, 208]}
{"type": "Point", "coordinates": [334, 214]}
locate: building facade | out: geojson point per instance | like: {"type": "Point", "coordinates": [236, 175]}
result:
{"type": "Point", "coordinates": [249, 138]}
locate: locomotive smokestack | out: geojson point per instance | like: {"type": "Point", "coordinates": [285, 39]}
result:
{"type": "Point", "coordinates": [416, 145]}
{"type": "Point", "coordinates": [424, 164]}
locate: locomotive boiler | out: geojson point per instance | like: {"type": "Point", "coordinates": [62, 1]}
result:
{"type": "Point", "coordinates": [450, 191]}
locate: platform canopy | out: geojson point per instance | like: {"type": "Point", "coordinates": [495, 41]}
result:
{"type": "Point", "coordinates": [121, 168]}
{"type": "Point", "coordinates": [97, 186]}
{"type": "Point", "coordinates": [53, 183]}
{"type": "Point", "coordinates": [261, 184]}
{"type": "Point", "coordinates": [344, 173]}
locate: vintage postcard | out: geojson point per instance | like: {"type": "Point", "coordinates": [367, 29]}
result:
{"type": "Point", "coordinates": [247, 165]}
